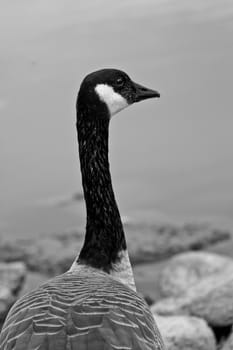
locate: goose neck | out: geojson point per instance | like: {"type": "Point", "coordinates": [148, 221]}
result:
{"type": "Point", "coordinates": [104, 238]}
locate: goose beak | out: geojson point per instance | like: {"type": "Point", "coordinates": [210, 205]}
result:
{"type": "Point", "coordinates": [143, 93]}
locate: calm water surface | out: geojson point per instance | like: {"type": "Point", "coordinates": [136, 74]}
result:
{"type": "Point", "coordinates": [171, 159]}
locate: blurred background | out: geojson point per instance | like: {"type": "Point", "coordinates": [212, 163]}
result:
{"type": "Point", "coordinates": [170, 158]}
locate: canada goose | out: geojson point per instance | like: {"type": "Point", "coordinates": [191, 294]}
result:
{"type": "Point", "coordinates": [93, 306]}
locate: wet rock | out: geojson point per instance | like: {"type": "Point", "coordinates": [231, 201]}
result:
{"type": "Point", "coordinates": [210, 298]}
{"type": "Point", "coordinates": [185, 270]}
{"type": "Point", "coordinates": [183, 333]}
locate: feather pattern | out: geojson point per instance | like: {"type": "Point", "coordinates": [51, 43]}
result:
{"type": "Point", "coordinates": [85, 310]}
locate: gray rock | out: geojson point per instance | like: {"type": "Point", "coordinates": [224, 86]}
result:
{"type": "Point", "coordinates": [210, 298]}
{"type": "Point", "coordinates": [185, 270]}
{"type": "Point", "coordinates": [185, 333]}
{"type": "Point", "coordinates": [54, 253]}
{"type": "Point", "coordinates": [6, 301]}
{"type": "Point", "coordinates": [155, 242]}
{"type": "Point", "coordinates": [228, 344]}
{"type": "Point", "coordinates": [12, 277]}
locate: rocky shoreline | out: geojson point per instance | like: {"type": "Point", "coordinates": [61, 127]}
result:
{"type": "Point", "coordinates": [53, 253]}
{"type": "Point", "coordinates": [190, 289]}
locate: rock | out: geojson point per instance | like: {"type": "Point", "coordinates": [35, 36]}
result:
{"type": "Point", "coordinates": [54, 253]}
{"type": "Point", "coordinates": [211, 298]}
{"type": "Point", "coordinates": [156, 242]}
{"type": "Point", "coordinates": [185, 270]}
{"type": "Point", "coordinates": [185, 333]}
{"type": "Point", "coordinates": [12, 276]}
{"type": "Point", "coordinates": [228, 345]}
{"type": "Point", "coordinates": [6, 301]}
{"type": "Point", "coordinates": [223, 337]}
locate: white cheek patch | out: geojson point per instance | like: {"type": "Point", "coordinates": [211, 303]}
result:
{"type": "Point", "coordinates": [114, 101]}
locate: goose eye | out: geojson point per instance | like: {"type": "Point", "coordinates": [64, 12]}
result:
{"type": "Point", "coordinates": [120, 81]}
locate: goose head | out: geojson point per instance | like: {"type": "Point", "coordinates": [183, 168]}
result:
{"type": "Point", "coordinates": [107, 91]}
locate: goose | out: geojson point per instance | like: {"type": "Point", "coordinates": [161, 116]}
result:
{"type": "Point", "coordinates": [94, 305]}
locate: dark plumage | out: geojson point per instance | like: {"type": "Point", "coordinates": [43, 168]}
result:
{"type": "Point", "coordinates": [93, 306]}
{"type": "Point", "coordinates": [104, 232]}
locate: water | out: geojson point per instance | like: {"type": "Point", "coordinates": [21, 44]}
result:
{"type": "Point", "coordinates": [170, 158]}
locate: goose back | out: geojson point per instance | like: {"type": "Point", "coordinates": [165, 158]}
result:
{"type": "Point", "coordinates": [88, 310]}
